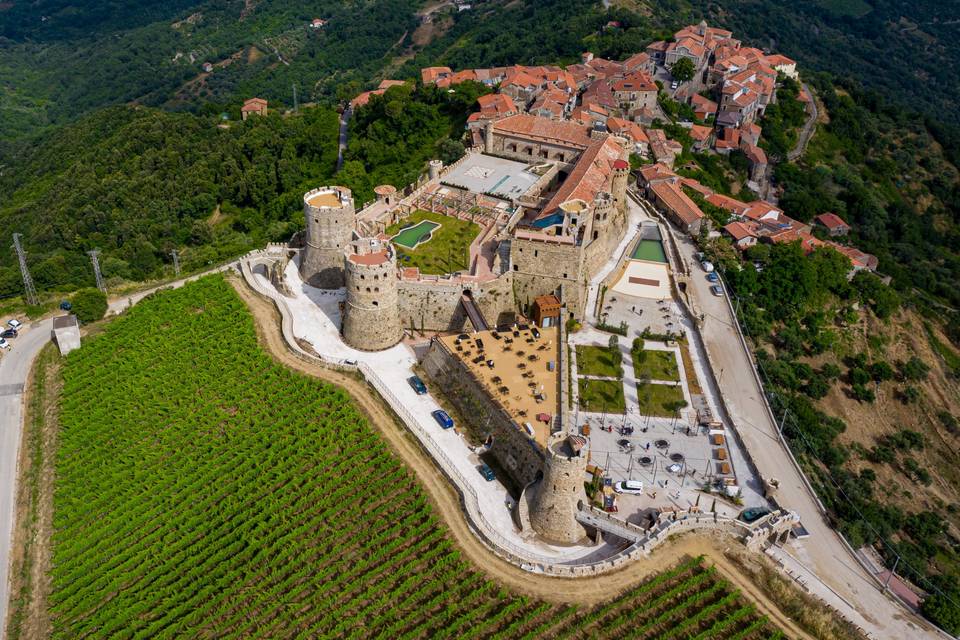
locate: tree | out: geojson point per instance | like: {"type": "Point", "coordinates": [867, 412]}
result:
{"type": "Point", "coordinates": [89, 305]}
{"type": "Point", "coordinates": [914, 369]}
{"type": "Point", "coordinates": [683, 70]}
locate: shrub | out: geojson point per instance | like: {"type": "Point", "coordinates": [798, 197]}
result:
{"type": "Point", "coordinates": [914, 369]}
{"type": "Point", "coordinates": [89, 305]}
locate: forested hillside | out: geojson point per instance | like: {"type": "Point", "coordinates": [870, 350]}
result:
{"type": "Point", "coordinates": [138, 182]}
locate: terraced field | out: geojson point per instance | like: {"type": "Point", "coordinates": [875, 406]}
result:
{"type": "Point", "coordinates": [205, 491]}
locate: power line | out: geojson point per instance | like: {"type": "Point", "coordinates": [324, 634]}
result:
{"type": "Point", "coordinates": [30, 290]}
{"type": "Point", "coordinates": [94, 258]}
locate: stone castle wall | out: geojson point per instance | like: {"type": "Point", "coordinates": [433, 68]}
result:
{"type": "Point", "coordinates": [543, 268]}
{"type": "Point", "coordinates": [434, 305]}
{"type": "Point", "coordinates": [513, 449]}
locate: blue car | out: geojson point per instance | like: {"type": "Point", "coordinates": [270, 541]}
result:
{"type": "Point", "coordinates": [713, 277]}
{"type": "Point", "coordinates": [487, 473]}
{"type": "Point", "coordinates": [442, 418]}
{"type": "Point", "coordinates": [417, 385]}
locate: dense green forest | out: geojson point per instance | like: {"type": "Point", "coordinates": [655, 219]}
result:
{"type": "Point", "coordinates": [139, 182]}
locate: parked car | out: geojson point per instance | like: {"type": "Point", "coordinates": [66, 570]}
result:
{"type": "Point", "coordinates": [623, 443]}
{"type": "Point", "coordinates": [716, 290]}
{"type": "Point", "coordinates": [629, 486]}
{"type": "Point", "coordinates": [707, 266]}
{"type": "Point", "coordinates": [443, 418]}
{"type": "Point", "coordinates": [4, 344]}
{"type": "Point", "coordinates": [487, 473]}
{"type": "Point", "coordinates": [9, 333]}
{"type": "Point", "coordinates": [417, 385]}
{"type": "Point", "coordinates": [14, 324]}
{"type": "Point", "coordinates": [674, 84]}
{"type": "Point", "coordinates": [66, 305]}
{"type": "Point", "coordinates": [713, 277]}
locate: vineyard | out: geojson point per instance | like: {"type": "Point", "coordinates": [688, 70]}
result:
{"type": "Point", "coordinates": [205, 491]}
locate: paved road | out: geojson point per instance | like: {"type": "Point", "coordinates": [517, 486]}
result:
{"type": "Point", "coordinates": [14, 368]}
{"type": "Point", "coordinates": [823, 552]}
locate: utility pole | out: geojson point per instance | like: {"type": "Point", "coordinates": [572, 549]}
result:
{"type": "Point", "coordinates": [886, 583]}
{"type": "Point", "coordinates": [30, 290]}
{"type": "Point", "coordinates": [176, 263]}
{"type": "Point", "coordinates": [94, 258]}
{"type": "Point", "coordinates": [783, 420]}
{"type": "Point", "coordinates": [296, 105]}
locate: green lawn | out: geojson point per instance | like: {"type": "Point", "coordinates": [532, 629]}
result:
{"type": "Point", "coordinates": [447, 251]}
{"type": "Point", "coordinates": [659, 399]}
{"type": "Point", "coordinates": [599, 361]}
{"type": "Point", "coordinates": [655, 365]}
{"type": "Point", "coordinates": [602, 395]}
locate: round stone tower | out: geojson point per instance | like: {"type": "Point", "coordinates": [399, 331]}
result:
{"type": "Point", "coordinates": [434, 169]}
{"type": "Point", "coordinates": [618, 186]}
{"type": "Point", "coordinates": [331, 219]}
{"type": "Point", "coordinates": [371, 316]}
{"type": "Point", "coordinates": [553, 512]}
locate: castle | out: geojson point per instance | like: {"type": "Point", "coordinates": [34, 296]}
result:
{"type": "Point", "coordinates": [550, 198]}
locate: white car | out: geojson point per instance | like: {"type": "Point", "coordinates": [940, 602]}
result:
{"type": "Point", "coordinates": [4, 344]}
{"type": "Point", "coordinates": [674, 84]}
{"type": "Point", "coordinates": [629, 486]}
{"type": "Point", "coordinates": [14, 324]}
{"type": "Point", "coordinates": [707, 266]}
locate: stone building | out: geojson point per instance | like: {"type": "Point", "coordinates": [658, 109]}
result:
{"type": "Point", "coordinates": [371, 315]}
{"type": "Point", "coordinates": [559, 494]}
{"type": "Point", "coordinates": [330, 222]}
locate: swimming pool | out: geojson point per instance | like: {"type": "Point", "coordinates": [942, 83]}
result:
{"type": "Point", "coordinates": [412, 236]}
{"type": "Point", "coordinates": [649, 250]}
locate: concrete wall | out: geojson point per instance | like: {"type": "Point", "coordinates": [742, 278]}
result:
{"type": "Point", "coordinates": [514, 450]}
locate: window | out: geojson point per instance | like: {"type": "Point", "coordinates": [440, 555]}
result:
{"type": "Point", "coordinates": [564, 275]}
{"type": "Point", "coordinates": [368, 289]}
{"type": "Point", "coordinates": [376, 289]}
{"type": "Point", "coordinates": [362, 277]}
{"type": "Point", "coordinates": [515, 268]}
{"type": "Point", "coordinates": [376, 304]}
{"type": "Point", "coordinates": [536, 252]}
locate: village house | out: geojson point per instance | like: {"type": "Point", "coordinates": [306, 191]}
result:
{"type": "Point", "coordinates": [832, 224]}
{"type": "Point", "coordinates": [664, 189]}
{"type": "Point", "coordinates": [632, 132]}
{"type": "Point", "coordinates": [253, 106]}
{"type": "Point", "coordinates": [635, 91]}
{"type": "Point", "coordinates": [362, 99]}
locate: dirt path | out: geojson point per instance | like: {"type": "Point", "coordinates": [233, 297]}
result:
{"type": "Point", "coordinates": [586, 591]}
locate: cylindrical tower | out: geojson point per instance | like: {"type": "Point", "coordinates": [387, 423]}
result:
{"type": "Point", "coordinates": [434, 169]}
{"type": "Point", "coordinates": [553, 512]}
{"type": "Point", "coordinates": [488, 137]}
{"type": "Point", "coordinates": [621, 178]}
{"type": "Point", "coordinates": [371, 316]}
{"type": "Point", "coordinates": [331, 219]}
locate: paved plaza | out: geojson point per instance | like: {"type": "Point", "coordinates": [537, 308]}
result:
{"type": "Point", "coordinates": [488, 174]}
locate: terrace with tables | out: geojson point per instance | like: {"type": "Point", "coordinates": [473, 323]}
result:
{"type": "Point", "coordinates": [518, 369]}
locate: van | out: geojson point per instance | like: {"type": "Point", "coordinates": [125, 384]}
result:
{"type": "Point", "coordinates": [529, 429]}
{"type": "Point", "coordinates": [629, 486]}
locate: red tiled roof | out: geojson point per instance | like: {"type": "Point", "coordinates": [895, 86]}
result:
{"type": "Point", "coordinates": [831, 221]}
{"type": "Point", "coordinates": [700, 132]}
{"type": "Point", "coordinates": [696, 186]}
{"type": "Point", "coordinates": [526, 125]}
{"type": "Point", "coordinates": [637, 81]}
{"type": "Point", "coordinates": [254, 104]}
{"type": "Point", "coordinates": [726, 202]}
{"type": "Point", "coordinates": [739, 230]}
{"type": "Point", "coordinates": [627, 128]}
{"type": "Point", "coordinates": [653, 172]}
{"type": "Point", "coordinates": [496, 104]}
{"type": "Point", "coordinates": [432, 74]}
{"type": "Point", "coordinates": [590, 175]}
{"type": "Point", "coordinates": [673, 197]}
